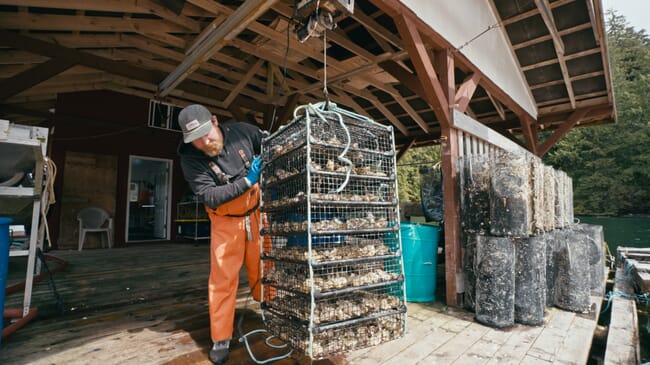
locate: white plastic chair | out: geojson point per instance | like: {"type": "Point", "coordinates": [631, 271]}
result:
{"type": "Point", "coordinates": [93, 219]}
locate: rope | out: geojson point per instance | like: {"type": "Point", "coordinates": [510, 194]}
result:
{"type": "Point", "coordinates": [284, 76]}
{"type": "Point", "coordinates": [325, 92]}
{"type": "Point", "coordinates": [50, 282]}
{"type": "Point", "coordinates": [639, 298]}
{"type": "Point", "coordinates": [244, 337]}
{"type": "Point", "coordinates": [495, 25]}
{"type": "Point", "coordinates": [321, 109]}
{"type": "Point", "coordinates": [50, 167]}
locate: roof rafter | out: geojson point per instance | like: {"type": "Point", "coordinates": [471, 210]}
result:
{"type": "Point", "coordinates": [131, 6]}
{"type": "Point", "coordinates": [435, 95]}
{"type": "Point", "coordinates": [547, 15]}
{"type": "Point", "coordinates": [33, 76]}
{"type": "Point", "coordinates": [245, 14]}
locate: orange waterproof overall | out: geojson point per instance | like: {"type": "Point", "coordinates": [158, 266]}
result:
{"type": "Point", "coordinates": [230, 247]}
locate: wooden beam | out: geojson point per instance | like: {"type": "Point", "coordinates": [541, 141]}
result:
{"type": "Point", "coordinates": [286, 113]}
{"type": "Point", "coordinates": [349, 101]}
{"type": "Point", "coordinates": [571, 121]}
{"type": "Point", "coordinates": [343, 41]}
{"type": "Point", "coordinates": [380, 31]}
{"type": "Point", "coordinates": [395, 7]}
{"type": "Point", "coordinates": [50, 22]}
{"type": "Point", "coordinates": [409, 110]}
{"type": "Point", "coordinates": [547, 15]}
{"type": "Point", "coordinates": [279, 77]}
{"type": "Point", "coordinates": [465, 91]}
{"type": "Point", "coordinates": [435, 95]}
{"type": "Point", "coordinates": [451, 207]}
{"type": "Point", "coordinates": [445, 66]}
{"type": "Point", "coordinates": [123, 69]}
{"type": "Point", "coordinates": [51, 50]}
{"type": "Point", "coordinates": [242, 83]}
{"type": "Point", "coordinates": [139, 7]}
{"type": "Point", "coordinates": [530, 134]}
{"type": "Point", "coordinates": [506, 133]}
{"type": "Point", "coordinates": [377, 104]}
{"type": "Point", "coordinates": [153, 63]}
{"type": "Point", "coordinates": [338, 36]}
{"type": "Point", "coordinates": [497, 106]}
{"type": "Point", "coordinates": [35, 75]}
{"type": "Point", "coordinates": [603, 53]}
{"type": "Point", "coordinates": [544, 9]}
{"type": "Point", "coordinates": [407, 146]}
{"type": "Point", "coordinates": [245, 14]}
{"type": "Point", "coordinates": [405, 76]}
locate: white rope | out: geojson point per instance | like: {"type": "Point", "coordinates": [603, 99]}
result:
{"type": "Point", "coordinates": [50, 175]}
{"type": "Point", "coordinates": [244, 339]}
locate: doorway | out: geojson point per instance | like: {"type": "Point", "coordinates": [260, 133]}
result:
{"type": "Point", "coordinates": [149, 196]}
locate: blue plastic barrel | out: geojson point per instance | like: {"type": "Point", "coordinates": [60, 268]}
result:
{"type": "Point", "coordinates": [420, 253]}
{"type": "Point", "coordinates": [4, 262]}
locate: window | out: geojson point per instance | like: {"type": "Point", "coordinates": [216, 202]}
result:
{"type": "Point", "coordinates": [162, 115]}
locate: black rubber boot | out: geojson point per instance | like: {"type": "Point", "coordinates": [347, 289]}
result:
{"type": "Point", "coordinates": [219, 352]}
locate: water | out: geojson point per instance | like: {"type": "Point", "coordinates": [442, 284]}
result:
{"type": "Point", "coordinates": [623, 231]}
{"type": "Point", "coordinates": [629, 232]}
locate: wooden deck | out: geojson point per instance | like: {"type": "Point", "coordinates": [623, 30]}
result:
{"type": "Point", "coordinates": [623, 336]}
{"type": "Point", "coordinates": [147, 304]}
{"type": "Point", "coordinates": [637, 262]}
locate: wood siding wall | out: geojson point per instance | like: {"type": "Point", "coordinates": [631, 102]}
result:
{"type": "Point", "coordinates": [107, 125]}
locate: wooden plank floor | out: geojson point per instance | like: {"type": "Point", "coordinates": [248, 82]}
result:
{"type": "Point", "coordinates": [147, 304]}
{"type": "Point", "coordinates": [623, 336]}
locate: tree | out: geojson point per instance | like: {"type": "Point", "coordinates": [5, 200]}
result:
{"type": "Point", "coordinates": [610, 165]}
{"type": "Point", "coordinates": [408, 175]}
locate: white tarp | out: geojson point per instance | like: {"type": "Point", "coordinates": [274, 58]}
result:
{"type": "Point", "coordinates": [458, 22]}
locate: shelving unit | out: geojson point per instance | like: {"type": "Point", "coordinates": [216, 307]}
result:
{"type": "Point", "coordinates": [333, 277]}
{"type": "Point", "coordinates": [192, 220]}
{"type": "Point", "coordinates": [22, 148]}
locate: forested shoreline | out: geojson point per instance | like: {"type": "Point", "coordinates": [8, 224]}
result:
{"type": "Point", "coordinates": [609, 164]}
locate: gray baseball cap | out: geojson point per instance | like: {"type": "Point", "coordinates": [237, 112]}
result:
{"type": "Point", "coordinates": [195, 122]}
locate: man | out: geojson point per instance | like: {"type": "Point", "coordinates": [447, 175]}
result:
{"type": "Point", "coordinates": [220, 164]}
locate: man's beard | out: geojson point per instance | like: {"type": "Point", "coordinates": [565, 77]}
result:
{"type": "Point", "coordinates": [213, 149]}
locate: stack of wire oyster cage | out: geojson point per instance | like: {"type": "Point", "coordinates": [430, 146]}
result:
{"type": "Point", "coordinates": [333, 276]}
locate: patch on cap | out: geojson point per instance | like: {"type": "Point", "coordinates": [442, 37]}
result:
{"type": "Point", "coordinates": [192, 125]}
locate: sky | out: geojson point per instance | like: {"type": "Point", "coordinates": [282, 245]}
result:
{"type": "Point", "coordinates": [636, 12]}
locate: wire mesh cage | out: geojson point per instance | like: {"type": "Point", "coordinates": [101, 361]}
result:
{"type": "Point", "coordinates": [328, 340]}
{"type": "Point", "coordinates": [333, 276]}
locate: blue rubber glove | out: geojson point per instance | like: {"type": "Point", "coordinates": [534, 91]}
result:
{"type": "Point", "coordinates": [254, 172]}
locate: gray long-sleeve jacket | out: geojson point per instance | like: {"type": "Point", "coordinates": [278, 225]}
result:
{"type": "Point", "coordinates": [213, 186]}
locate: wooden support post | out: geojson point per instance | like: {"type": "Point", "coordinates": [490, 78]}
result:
{"type": "Point", "coordinates": [530, 133]}
{"type": "Point", "coordinates": [449, 154]}
{"type": "Point", "coordinates": [571, 121]}
{"type": "Point", "coordinates": [444, 61]}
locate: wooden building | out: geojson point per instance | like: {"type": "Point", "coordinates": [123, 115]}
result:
{"type": "Point", "coordinates": [106, 78]}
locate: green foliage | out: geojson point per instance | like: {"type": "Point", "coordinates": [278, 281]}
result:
{"type": "Point", "coordinates": [610, 165]}
{"type": "Point", "coordinates": [408, 175]}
